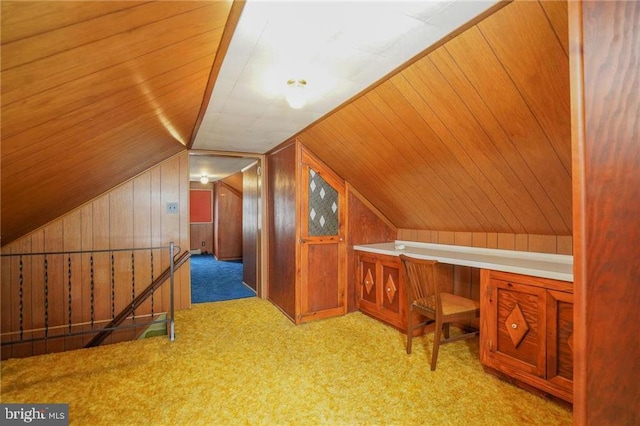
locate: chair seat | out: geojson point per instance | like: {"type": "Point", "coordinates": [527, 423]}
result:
{"type": "Point", "coordinates": [452, 304]}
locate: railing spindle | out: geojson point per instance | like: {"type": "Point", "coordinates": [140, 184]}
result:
{"type": "Point", "coordinates": [21, 293]}
{"type": "Point", "coordinates": [93, 287]}
{"type": "Point", "coordinates": [133, 287]}
{"type": "Point", "coordinates": [69, 289]}
{"type": "Point", "coordinates": [113, 286]}
{"type": "Point", "coordinates": [46, 296]}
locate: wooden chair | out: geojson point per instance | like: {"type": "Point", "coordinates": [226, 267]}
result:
{"type": "Point", "coordinates": [425, 296]}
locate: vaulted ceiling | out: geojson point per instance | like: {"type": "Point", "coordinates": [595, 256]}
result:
{"type": "Point", "coordinates": [472, 135]}
{"type": "Point", "coordinates": [94, 93]}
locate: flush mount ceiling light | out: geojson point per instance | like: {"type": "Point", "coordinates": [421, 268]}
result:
{"type": "Point", "coordinates": [204, 179]}
{"type": "Point", "coordinates": [295, 95]}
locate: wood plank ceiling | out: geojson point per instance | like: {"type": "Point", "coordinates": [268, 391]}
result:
{"type": "Point", "coordinates": [474, 136]}
{"type": "Point", "coordinates": [94, 93]}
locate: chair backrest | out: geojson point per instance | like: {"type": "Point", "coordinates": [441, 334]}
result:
{"type": "Point", "coordinates": [420, 280]}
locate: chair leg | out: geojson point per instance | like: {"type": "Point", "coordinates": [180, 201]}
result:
{"type": "Point", "coordinates": [436, 344]}
{"type": "Point", "coordinates": [446, 330]}
{"type": "Point", "coordinates": [410, 329]}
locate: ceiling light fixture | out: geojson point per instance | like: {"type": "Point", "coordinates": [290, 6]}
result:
{"type": "Point", "coordinates": [204, 179]}
{"type": "Point", "coordinates": [296, 96]}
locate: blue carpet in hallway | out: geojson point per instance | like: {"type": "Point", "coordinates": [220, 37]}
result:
{"type": "Point", "coordinates": [213, 280]}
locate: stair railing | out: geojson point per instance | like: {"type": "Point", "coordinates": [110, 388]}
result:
{"type": "Point", "coordinates": [31, 323]}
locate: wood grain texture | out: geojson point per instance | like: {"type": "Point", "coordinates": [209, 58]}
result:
{"type": "Point", "coordinates": [251, 226]}
{"type": "Point", "coordinates": [281, 199]}
{"type": "Point", "coordinates": [473, 137]}
{"type": "Point", "coordinates": [235, 181]}
{"type": "Point", "coordinates": [131, 215]}
{"type": "Point", "coordinates": [364, 225]}
{"type": "Point", "coordinates": [542, 357]}
{"type": "Point", "coordinates": [554, 244]}
{"type": "Point", "coordinates": [227, 222]}
{"type": "Point", "coordinates": [94, 93]}
{"type": "Point", "coordinates": [605, 103]}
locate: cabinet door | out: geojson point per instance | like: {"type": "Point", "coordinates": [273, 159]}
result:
{"type": "Point", "coordinates": [390, 297]}
{"type": "Point", "coordinates": [517, 327]}
{"type": "Point", "coordinates": [560, 339]}
{"type": "Point", "coordinates": [367, 282]}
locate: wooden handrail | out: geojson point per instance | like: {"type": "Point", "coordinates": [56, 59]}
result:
{"type": "Point", "coordinates": [128, 310]}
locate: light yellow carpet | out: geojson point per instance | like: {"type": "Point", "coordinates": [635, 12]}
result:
{"type": "Point", "coordinates": [243, 362]}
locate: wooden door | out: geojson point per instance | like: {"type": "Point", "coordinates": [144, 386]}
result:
{"type": "Point", "coordinates": [517, 327]}
{"type": "Point", "coordinates": [560, 339]}
{"type": "Point", "coordinates": [322, 279]}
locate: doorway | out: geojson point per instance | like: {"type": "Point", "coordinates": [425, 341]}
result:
{"type": "Point", "coordinates": [226, 247]}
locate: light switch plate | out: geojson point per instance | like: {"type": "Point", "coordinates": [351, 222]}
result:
{"type": "Point", "coordinates": [172, 208]}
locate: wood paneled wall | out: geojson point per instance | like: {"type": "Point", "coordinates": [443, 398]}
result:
{"type": "Point", "coordinates": [235, 181]}
{"type": "Point", "coordinates": [251, 225]}
{"type": "Point", "coordinates": [133, 214]}
{"type": "Point", "coordinates": [94, 93]}
{"type": "Point", "coordinates": [605, 71]}
{"type": "Point", "coordinates": [227, 226]}
{"type": "Point", "coordinates": [554, 244]}
{"type": "Point", "coordinates": [281, 211]}
{"type": "Point", "coordinates": [473, 137]}
{"type": "Point", "coordinates": [365, 225]}
{"type": "Point", "coordinates": [202, 232]}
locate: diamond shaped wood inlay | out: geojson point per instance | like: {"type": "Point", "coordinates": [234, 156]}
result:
{"type": "Point", "coordinates": [368, 281]}
{"type": "Point", "coordinates": [517, 326]}
{"type": "Point", "coordinates": [390, 289]}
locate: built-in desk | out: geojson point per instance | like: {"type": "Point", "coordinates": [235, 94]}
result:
{"type": "Point", "coordinates": [526, 306]}
{"type": "Point", "coordinates": [543, 265]}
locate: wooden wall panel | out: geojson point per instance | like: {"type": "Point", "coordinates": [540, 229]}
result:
{"type": "Point", "coordinates": [473, 137]}
{"type": "Point", "coordinates": [131, 215]}
{"type": "Point", "coordinates": [281, 205]}
{"type": "Point", "coordinates": [48, 38]}
{"type": "Point", "coordinates": [606, 106]}
{"type": "Point", "coordinates": [365, 224]}
{"type": "Point", "coordinates": [235, 181]}
{"type": "Point", "coordinates": [227, 227]}
{"type": "Point", "coordinates": [184, 290]}
{"type": "Point", "coordinates": [26, 19]}
{"type": "Point", "coordinates": [250, 225]}
{"type": "Point", "coordinates": [554, 244]}
{"type": "Point", "coordinates": [536, 87]}
{"type": "Point", "coordinates": [93, 97]}
{"type": "Point", "coordinates": [202, 232]}
{"type": "Point", "coordinates": [557, 14]}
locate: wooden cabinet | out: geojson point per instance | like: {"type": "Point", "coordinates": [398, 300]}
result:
{"type": "Point", "coordinates": [526, 330]}
{"type": "Point", "coordinates": [381, 291]}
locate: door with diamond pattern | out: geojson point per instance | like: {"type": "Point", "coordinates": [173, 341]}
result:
{"type": "Point", "coordinates": [322, 243]}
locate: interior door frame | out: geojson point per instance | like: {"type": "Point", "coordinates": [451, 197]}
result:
{"type": "Point", "coordinates": [262, 236]}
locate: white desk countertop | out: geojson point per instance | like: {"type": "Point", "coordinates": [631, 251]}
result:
{"type": "Point", "coordinates": [543, 265]}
